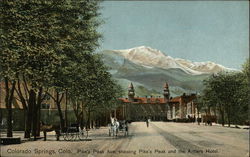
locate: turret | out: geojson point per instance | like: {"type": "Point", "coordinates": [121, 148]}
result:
{"type": "Point", "coordinates": [131, 92]}
{"type": "Point", "coordinates": [166, 93]}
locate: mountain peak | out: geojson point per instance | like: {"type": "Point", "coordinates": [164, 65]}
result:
{"type": "Point", "coordinates": [140, 52]}
{"type": "Point", "coordinates": [149, 57]}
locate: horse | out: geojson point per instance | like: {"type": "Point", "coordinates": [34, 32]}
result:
{"type": "Point", "coordinates": [114, 127]}
{"type": "Point", "coordinates": [123, 126]}
{"type": "Point", "coordinates": [48, 128]}
{"type": "Point", "coordinates": [208, 119]}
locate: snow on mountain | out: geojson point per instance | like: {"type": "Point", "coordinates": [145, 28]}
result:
{"type": "Point", "coordinates": [149, 57]}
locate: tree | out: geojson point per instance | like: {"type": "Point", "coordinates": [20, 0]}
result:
{"type": "Point", "coordinates": [230, 92]}
{"type": "Point", "coordinates": [28, 40]}
{"type": "Point", "coordinates": [78, 38]}
{"type": "Point", "coordinates": [243, 95]}
{"type": "Point", "coordinates": [95, 91]}
{"type": "Point", "coordinates": [8, 56]}
{"type": "Point", "coordinates": [48, 46]}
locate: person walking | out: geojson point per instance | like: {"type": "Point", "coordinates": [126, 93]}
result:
{"type": "Point", "coordinates": [147, 122]}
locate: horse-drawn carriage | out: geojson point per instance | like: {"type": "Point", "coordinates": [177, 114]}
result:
{"type": "Point", "coordinates": [116, 127]}
{"type": "Point", "coordinates": [73, 132]}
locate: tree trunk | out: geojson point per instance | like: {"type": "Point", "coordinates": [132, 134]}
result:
{"type": "Point", "coordinates": [8, 103]}
{"type": "Point", "coordinates": [222, 115]}
{"type": "Point", "coordinates": [29, 119]}
{"type": "Point", "coordinates": [9, 110]}
{"type": "Point", "coordinates": [23, 101]}
{"type": "Point", "coordinates": [36, 116]}
{"type": "Point", "coordinates": [92, 124]}
{"type": "Point", "coordinates": [198, 111]}
{"type": "Point", "coordinates": [198, 117]}
{"type": "Point", "coordinates": [215, 113]}
{"type": "Point", "coordinates": [39, 103]}
{"type": "Point", "coordinates": [25, 123]}
{"type": "Point", "coordinates": [82, 118]}
{"type": "Point", "coordinates": [76, 109]}
{"type": "Point", "coordinates": [34, 122]}
{"type": "Point", "coordinates": [66, 109]}
{"type": "Point", "coordinates": [209, 110]}
{"type": "Point", "coordinates": [88, 120]}
{"type": "Point", "coordinates": [229, 116]}
{"type": "Point", "coordinates": [38, 120]}
{"type": "Point", "coordinates": [58, 104]}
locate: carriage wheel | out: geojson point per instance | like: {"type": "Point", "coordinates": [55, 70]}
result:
{"type": "Point", "coordinates": [70, 136]}
{"type": "Point", "coordinates": [75, 134]}
{"type": "Point", "coordinates": [65, 136]}
{"type": "Point", "coordinates": [83, 135]}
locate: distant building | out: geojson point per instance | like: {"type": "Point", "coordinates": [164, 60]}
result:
{"type": "Point", "coordinates": [156, 108]}
{"type": "Point", "coordinates": [48, 102]}
{"type": "Point", "coordinates": [161, 108]}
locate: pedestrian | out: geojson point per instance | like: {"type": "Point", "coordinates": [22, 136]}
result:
{"type": "Point", "coordinates": [147, 122]}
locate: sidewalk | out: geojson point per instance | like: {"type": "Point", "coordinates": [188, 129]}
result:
{"type": "Point", "coordinates": [51, 136]}
{"type": "Point", "coordinates": [231, 126]}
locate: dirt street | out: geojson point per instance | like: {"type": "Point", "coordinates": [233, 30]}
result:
{"type": "Point", "coordinates": [159, 139]}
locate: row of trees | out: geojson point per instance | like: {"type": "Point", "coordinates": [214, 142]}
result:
{"type": "Point", "coordinates": [228, 93]}
{"type": "Point", "coordinates": [48, 45]}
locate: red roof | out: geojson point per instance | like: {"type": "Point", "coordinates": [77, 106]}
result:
{"type": "Point", "coordinates": [175, 99]}
{"type": "Point", "coordinates": [157, 100]}
{"type": "Point", "coordinates": [124, 99]}
{"type": "Point", "coordinates": [143, 100]}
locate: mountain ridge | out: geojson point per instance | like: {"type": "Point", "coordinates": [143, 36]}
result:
{"type": "Point", "coordinates": [151, 68]}
{"type": "Point", "coordinates": [150, 57]}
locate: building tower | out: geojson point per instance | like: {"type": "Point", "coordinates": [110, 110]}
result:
{"type": "Point", "coordinates": [166, 93]}
{"type": "Point", "coordinates": [131, 92]}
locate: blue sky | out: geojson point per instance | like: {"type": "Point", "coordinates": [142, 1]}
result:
{"type": "Point", "coordinates": [215, 31]}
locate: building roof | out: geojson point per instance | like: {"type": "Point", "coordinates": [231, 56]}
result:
{"type": "Point", "coordinates": [175, 99]}
{"type": "Point", "coordinates": [157, 100]}
{"type": "Point", "coordinates": [144, 100]}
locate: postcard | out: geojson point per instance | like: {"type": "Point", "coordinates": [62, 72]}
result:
{"type": "Point", "coordinates": [124, 78]}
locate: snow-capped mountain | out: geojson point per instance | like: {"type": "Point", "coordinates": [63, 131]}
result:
{"type": "Point", "coordinates": [150, 57]}
{"type": "Point", "coordinates": [149, 69]}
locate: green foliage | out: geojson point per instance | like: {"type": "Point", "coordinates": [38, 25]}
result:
{"type": "Point", "coordinates": [28, 41]}
{"type": "Point", "coordinates": [50, 44]}
{"type": "Point", "coordinates": [230, 93]}
{"type": "Point", "coordinates": [98, 90]}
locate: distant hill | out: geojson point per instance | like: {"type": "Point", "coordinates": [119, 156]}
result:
{"type": "Point", "coordinates": [149, 69]}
